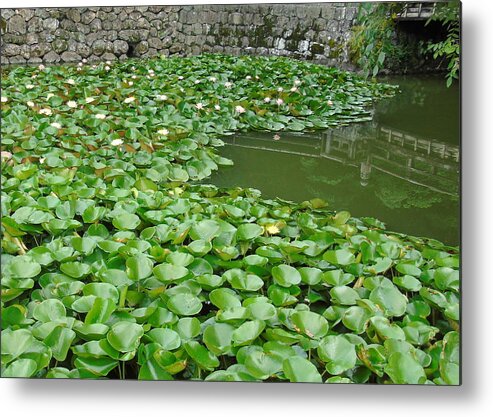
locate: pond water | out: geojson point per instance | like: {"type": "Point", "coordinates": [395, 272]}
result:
{"type": "Point", "coordinates": [402, 168]}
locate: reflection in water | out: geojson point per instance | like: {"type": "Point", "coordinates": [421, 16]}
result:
{"type": "Point", "coordinates": [386, 168]}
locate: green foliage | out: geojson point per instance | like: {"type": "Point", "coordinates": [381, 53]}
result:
{"type": "Point", "coordinates": [119, 262]}
{"type": "Point", "coordinates": [373, 44]}
{"type": "Point", "coordinates": [447, 14]}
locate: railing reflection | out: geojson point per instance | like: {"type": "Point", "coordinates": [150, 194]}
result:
{"type": "Point", "coordinates": [371, 147]}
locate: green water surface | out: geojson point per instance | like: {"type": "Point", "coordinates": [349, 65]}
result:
{"type": "Point", "coordinates": [402, 168]}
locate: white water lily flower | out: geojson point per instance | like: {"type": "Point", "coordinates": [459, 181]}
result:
{"type": "Point", "coordinates": [217, 107]}
{"type": "Point", "coordinates": [57, 125]}
{"type": "Point", "coordinates": [72, 104]}
{"type": "Point", "coordinates": [48, 112]}
{"type": "Point", "coordinates": [84, 60]}
{"type": "Point", "coordinates": [276, 137]}
{"type": "Point", "coordinates": [227, 84]}
{"type": "Point", "coordinates": [34, 76]}
{"type": "Point", "coordinates": [49, 95]}
{"type": "Point", "coordinates": [29, 86]}
{"type": "Point", "coordinates": [199, 106]}
{"type": "Point", "coordinates": [80, 64]}
{"type": "Point", "coordinates": [330, 103]}
{"type": "Point", "coordinates": [108, 62]}
{"type": "Point", "coordinates": [297, 82]}
{"type": "Point", "coordinates": [180, 77]}
{"type": "Point", "coordinates": [90, 99]}
{"type": "Point", "coordinates": [100, 116]}
{"type": "Point", "coordinates": [116, 142]}
{"type": "Point", "coordinates": [5, 155]}
{"type": "Point", "coordinates": [107, 67]}
{"type": "Point", "coordinates": [30, 104]}
{"type": "Point", "coordinates": [213, 79]}
{"type": "Point", "coordinates": [197, 81]}
{"type": "Point", "coordinates": [129, 100]}
{"type": "Point", "coordinates": [41, 67]}
{"type": "Point", "coordinates": [41, 160]}
{"type": "Point", "coordinates": [280, 89]}
{"type": "Point", "coordinates": [130, 83]}
{"type": "Point", "coordinates": [134, 77]}
{"type": "Point", "coordinates": [163, 132]}
{"type": "Point", "coordinates": [240, 109]}
{"type": "Point", "coordinates": [293, 89]}
{"type": "Point", "coordinates": [267, 99]}
{"type": "Point", "coordinates": [279, 101]}
{"type": "Point", "coordinates": [133, 68]}
{"type": "Point", "coordinates": [4, 99]}
{"type": "Point", "coordinates": [248, 77]}
{"type": "Point", "coordinates": [162, 97]}
{"type": "Point", "coordinates": [70, 81]}
{"type": "Point", "coordinates": [79, 69]}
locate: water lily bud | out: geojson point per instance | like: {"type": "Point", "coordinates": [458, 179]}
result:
{"type": "Point", "coordinates": [279, 101]}
{"type": "Point", "coordinates": [217, 107]}
{"type": "Point", "coordinates": [227, 84]}
{"type": "Point", "coordinates": [100, 116]}
{"type": "Point", "coordinates": [330, 103]}
{"type": "Point", "coordinates": [4, 99]}
{"type": "Point", "coordinates": [29, 86]}
{"type": "Point", "coordinates": [90, 99]}
{"type": "Point", "coordinates": [213, 79]}
{"type": "Point", "coordinates": [267, 99]}
{"type": "Point", "coordinates": [57, 125]}
{"type": "Point", "coordinates": [41, 67]}
{"type": "Point", "coordinates": [163, 132]}
{"type": "Point", "coordinates": [129, 100]}
{"type": "Point", "coordinates": [70, 81]}
{"type": "Point", "coordinates": [5, 155]}
{"type": "Point", "coordinates": [72, 104]}
{"type": "Point", "coordinates": [276, 137]}
{"type": "Point", "coordinates": [30, 104]}
{"type": "Point", "coordinates": [239, 109]}
{"type": "Point", "coordinates": [116, 142]}
{"type": "Point", "coordinates": [162, 97]}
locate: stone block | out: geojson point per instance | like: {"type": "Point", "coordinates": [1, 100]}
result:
{"type": "Point", "coordinates": [35, 25]}
{"type": "Point", "coordinates": [99, 47]}
{"type": "Point", "coordinates": [87, 17]}
{"type": "Point", "coordinates": [52, 57]}
{"type": "Point", "coordinates": [70, 57]}
{"type": "Point", "coordinates": [108, 56]}
{"type": "Point", "coordinates": [120, 47]}
{"type": "Point", "coordinates": [59, 45]}
{"type": "Point", "coordinates": [155, 43]}
{"type": "Point", "coordinates": [17, 25]}
{"type": "Point", "coordinates": [73, 14]}
{"type": "Point", "coordinates": [27, 14]}
{"type": "Point", "coordinates": [11, 49]}
{"type": "Point", "coordinates": [51, 24]}
{"type": "Point", "coordinates": [141, 48]}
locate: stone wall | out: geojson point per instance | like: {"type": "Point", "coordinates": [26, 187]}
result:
{"type": "Point", "coordinates": [316, 32]}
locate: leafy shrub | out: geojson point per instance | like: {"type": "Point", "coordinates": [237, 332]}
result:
{"type": "Point", "coordinates": [118, 263]}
